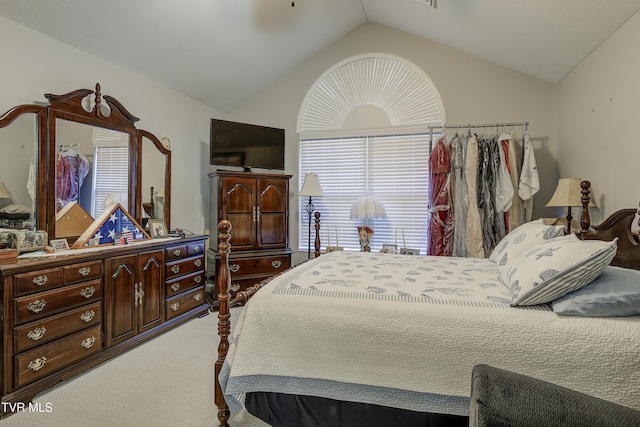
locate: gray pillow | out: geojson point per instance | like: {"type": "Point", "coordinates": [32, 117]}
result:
{"type": "Point", "coordinates": [615, 293]}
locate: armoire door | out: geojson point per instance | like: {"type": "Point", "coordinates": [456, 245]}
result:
{"type": "Point", "coordinates": [273, 214]}
{"type": "Point", "coordinates": [237, 204]}
{"type": "Point", "coordinates": [150, 285]}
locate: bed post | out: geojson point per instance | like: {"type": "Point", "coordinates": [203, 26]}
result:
{"type": "Point", "coordinates": [317, 241]}
{"type": "Point", "coordinates": [224, 323]}
{"type": "Point", "coordinates": [585, 221]}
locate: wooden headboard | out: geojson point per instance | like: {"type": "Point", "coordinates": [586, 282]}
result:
{"type": "Point", "coordinates": [617, 225]}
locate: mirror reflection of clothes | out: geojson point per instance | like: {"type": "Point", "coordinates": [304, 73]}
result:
{"type": "Point", "coordinates": [71, 170]}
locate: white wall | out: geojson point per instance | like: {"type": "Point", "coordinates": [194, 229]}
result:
{"type": "Point", "coordinates": [598, 113]}
{"type": "Point", "coordinates": [473, 91]}
{"type": "Point", "coordinates": [34, 64]}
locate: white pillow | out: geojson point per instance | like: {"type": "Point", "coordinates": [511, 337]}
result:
{"type": "Point", "coordinates": [556, 267]}
{"type": "Point", "coordinates": [522, 238]}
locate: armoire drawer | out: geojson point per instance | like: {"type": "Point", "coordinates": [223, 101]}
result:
{"type": "Point", "coordinates": [270, 265]}
{"type": "Point", "coordinates": [43, 304]}
{"type": "Point", "coordinates": [184, 302]}
{"type": "Point", "coordinates": [242, 284]}
{"type": "Point", "coordinates": [184, 283]}
{"type": "Point", "coordinates": [48, 358]}
{"type": "Point", "coordinates": [186, 266]}
{"type": "Point", "coordinates": [53, 327]}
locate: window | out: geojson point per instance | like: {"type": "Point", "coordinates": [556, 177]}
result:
{"type": "Point", "coordinates": [392, 168]}
{"type": "Point", "coordinates": [110, 170]}
{"type": "Point", "coordinates": [364, 131]}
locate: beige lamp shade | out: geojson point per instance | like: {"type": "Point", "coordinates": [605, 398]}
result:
{"type": "Point", "coordinates": [4, 193]}
{"type": "Point", "coordinates": [311, 186]}
{"type": "Point", "coordinates": [367, 207]}
{"type": "Point", "coordinates": [568, 193]}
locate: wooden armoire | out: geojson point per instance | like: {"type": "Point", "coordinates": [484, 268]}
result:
{"type": "Point", "coordinates": [257, 205]}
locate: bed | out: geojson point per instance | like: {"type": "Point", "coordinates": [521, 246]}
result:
{"type": "Point", "coordinates": [387, 339]}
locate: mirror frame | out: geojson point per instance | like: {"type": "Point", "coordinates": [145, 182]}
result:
{"type": "Point", "coordinates": [70, 107]}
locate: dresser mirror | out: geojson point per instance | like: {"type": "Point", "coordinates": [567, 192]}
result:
{"type": "Point", "coordinates": [86, 153]}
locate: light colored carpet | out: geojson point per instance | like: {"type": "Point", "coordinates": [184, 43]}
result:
{"type": "Point", "coordinates": [167, 381]}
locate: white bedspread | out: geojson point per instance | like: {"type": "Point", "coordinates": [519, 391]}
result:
{"type": "Point", "coordinates": [405, 331]}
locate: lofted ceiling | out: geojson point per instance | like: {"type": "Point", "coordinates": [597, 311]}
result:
{"type": "Point", "coordinates": [222, 52]}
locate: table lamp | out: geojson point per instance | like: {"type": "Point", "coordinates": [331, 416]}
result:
{"type": "Point", "coordinates": [568, 194]}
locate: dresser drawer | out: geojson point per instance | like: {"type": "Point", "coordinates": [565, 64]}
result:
{"type": "Point", "coordinates": [48, 358]}
{"type": "Point", "coordinates": [53, 327]}
{"type": "Point", "coordinates": [269, 266]}
{"type": "Point", "coordinates": [196, 248]}
{"type": "Point", "coordinates": [84, 271]}
{"type": "Point", "coordinates": [185, 283]}
{"type": "Point", "coordinates": [43, 304]}
{"type": "Point", "coordinates": [186, 266]}
{"type": "Point", "coordinates": [184, 302]}
{"type": "Point", "coordinates": [36, 281]}
{"type": "Point", "coordinates": [176, 252]}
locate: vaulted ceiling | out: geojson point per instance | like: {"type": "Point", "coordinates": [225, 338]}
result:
{"type": "Point", "coordinates": [221, 52]}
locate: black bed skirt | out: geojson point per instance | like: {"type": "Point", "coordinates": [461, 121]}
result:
{"type": "Point", "coordinates": [287, 410]}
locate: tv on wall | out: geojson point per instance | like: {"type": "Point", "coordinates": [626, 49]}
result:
{"type": "Point", "coordinates": [246, 145]}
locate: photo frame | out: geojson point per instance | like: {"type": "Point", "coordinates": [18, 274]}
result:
{"type": "Point", "coordinates": [407, 251]}
{"type": "Point", "coordinates": [389, 248]}
{"type": "Point", "coordinates": [59, 244]}
{"type": "Point", "coordinates": [157, 228]}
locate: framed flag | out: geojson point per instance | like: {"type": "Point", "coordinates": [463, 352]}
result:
{"type": "Point", "coordinates": [114, 226]}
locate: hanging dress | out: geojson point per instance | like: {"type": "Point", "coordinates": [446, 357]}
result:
{"type": "Point", "coordinates": [71, 170]}
{"type": "Point", "coordinates": [529, 179]}
{"type": "Point", "coordinates": [440, 221]}
{"type": "Point", "coordinates": [516, 212]}
{"type": "Point", "coordinates": [459, 196]}
{"type": "Point", "coordinates": [473, 230]}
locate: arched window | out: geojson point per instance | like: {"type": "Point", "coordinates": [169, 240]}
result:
{"type": "Point", "coordinates": [363, 130]}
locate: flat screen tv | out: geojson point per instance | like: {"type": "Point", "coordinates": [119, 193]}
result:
{"type": "Point", "coordinates": [246, 145]}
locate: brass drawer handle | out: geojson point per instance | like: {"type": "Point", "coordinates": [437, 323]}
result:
{"type": "Point", "coordinates": [37, 333]}
{"type": "Point", "coordinates": [197, 279]}
{"type": "Point", "coordinates": [40, 280]}
{"type": "Point", "coordinates": [276, 264]}
{"type": "Point", "coordinates": [235, 287]}
{"type": "Point", "coordinates": [88, 292]}
{"type": "Point", "coordinates": [234, 268]}
{"type": "Point", "coordinates": [197, 262]}
{"type": "Point", "coordinates": [84, 271]}
{"type": "Point", "coordinates": [175, 306]}
{"type": "Point", "coordinates": [196, 248]}
{"type": "Point", "coordinates": [175, 269]}
{"type": "Point", "coordinates": [176, 252]}
{"type": "Point", "coordinates": [88, 343]}
{"type": "Point", "coordinates": [197, 297]}
{"type": "Point", "coordinates": [87, 316]}
{"type": "Point", "coordinates": [175, 286]}
{"type": "Point", "coordinates": [36, 306]}
{"type": "Point", "coordinates": [36, 365]}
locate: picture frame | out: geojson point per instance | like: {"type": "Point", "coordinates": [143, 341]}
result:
{"type": "Point", "coordinates": [157, 228]}
{"type": "Point", "coordinates": [59, 244]}
{"type": "Point", "coordinates": [389, 248]}
{"type": "Point", "coordinates": [407, 251]}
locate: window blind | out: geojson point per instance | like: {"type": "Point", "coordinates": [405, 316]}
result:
{"type": "Point", "coordinates": [392, 168]}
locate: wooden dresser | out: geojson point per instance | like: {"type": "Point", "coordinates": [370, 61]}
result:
{"type": "Point", "coordinates": [63, 314]}
{"type": "Point", "coordinates": [257, 205]}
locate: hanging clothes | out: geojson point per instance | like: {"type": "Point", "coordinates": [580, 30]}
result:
{"type": "Point", "coordinates": [515, 216]}
{"type": "Point", "coordinates": [71, 170]}
{"type": "Point", "coordinates": [473, 225]}
{"type": "Point", "coordinates": [529, 179]}
{"type": "Point", "coordinates": [458, 149]}
{"type": "Point", "coordinates": [440, 221]}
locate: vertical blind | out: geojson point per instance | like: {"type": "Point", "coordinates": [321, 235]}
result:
{"type": "Point", "coordinates": [392, 168]}
{"type": "Point", "coordinates": [110, 169]}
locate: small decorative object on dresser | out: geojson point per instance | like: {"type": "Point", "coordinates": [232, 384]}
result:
{"type": "Point", "coordinates": [59, 244]}
{"type": "Point", "coordinates": [388, 248]}
{"type": "Point", "coordinates": [157, 228]}
{"type": "Point", "coordinates": [407, 251]}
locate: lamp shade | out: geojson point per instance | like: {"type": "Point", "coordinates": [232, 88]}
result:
{"type": "Point", "coordinates": [311, 186]}
{"type": "Point", "coordinates": [568, 193]}
{"type": "Point", "coordinates": [4, 193]}
{"type": "Point", "coordinates": [367, 207]}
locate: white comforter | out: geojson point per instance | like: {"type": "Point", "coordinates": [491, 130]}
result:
{"type": "Point", "coordinates": [405, 331]}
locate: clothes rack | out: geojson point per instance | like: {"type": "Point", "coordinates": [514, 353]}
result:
{"type": "Point", "coordinates": [525, 125]}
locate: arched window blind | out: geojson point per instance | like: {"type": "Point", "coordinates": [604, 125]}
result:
{"type": "Point", "coordinates": [356, 157]}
